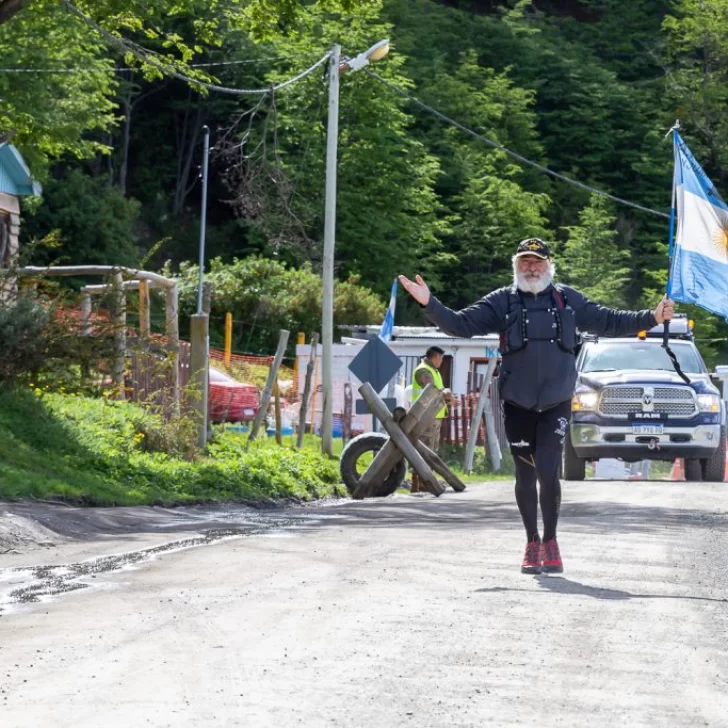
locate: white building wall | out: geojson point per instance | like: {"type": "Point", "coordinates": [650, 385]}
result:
{"type": "Point", "coordinates": [462, 351]}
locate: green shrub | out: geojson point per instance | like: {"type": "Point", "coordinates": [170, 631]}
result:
{"type": "Point", "coordinates": [100, 452]}
{"type": "Point", "coordinates": [23, 338]}
{"type": "Point", "coordinates": [40, 343]}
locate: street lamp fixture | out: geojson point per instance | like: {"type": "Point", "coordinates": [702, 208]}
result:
{"type": "Point", "coordinates": [375, 53]}
{"type": "Point", "coordinates": [336, 67]}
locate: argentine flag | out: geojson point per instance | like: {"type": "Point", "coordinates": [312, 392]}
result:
{"type": "Point", "coordinates": [699, 269]}
{"type": "Point", "coordinates": [385, 333]}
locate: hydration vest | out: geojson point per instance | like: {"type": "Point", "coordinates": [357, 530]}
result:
{"type": "Point", "coordinates": [556, 323]}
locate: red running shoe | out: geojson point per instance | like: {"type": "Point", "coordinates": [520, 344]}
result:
{"type": "Point", "coordinates": [551, 557]}
{"type": "Point", "coordinates": [532, 558]}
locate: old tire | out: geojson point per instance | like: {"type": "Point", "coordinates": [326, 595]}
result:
{"type": "Point", "coordinates": [368, 442]}
{"type": "Point", "coordinates": [693, 470]}
{"type": "Point", "coordinates": [574, 466]}
{"type": "Point", "coordinates": [714, 467]}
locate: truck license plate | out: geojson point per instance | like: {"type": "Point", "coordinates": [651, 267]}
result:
{"type": "Point", "coordinates": [647, 429]}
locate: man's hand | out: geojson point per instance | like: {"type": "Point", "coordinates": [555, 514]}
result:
{"type": "Point", "coordinates": [417, 289]}
{"type": "Point", "coordinates": [665, 310]}
{"type": "Point", "coordinates": [448, 396]}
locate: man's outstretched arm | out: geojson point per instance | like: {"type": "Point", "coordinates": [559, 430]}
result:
{"type": "Point", "coordinates": [605, 321]}
{"type": "Point", "coordinates": [483, 317]}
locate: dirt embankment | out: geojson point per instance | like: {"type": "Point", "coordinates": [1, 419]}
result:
{"type": "Point", "coordinates": [19, 533]}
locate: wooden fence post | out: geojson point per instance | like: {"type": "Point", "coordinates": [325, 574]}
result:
{"type": "Point", "coordinates": [492, 436]}
{"type": "Point", "coordinates": [119, 297]}
{"type": "Point", "coordinates": [268, 389]}
{"type": "Point", "coordinates": [483, 401]}
{"type": "Point", "coordinates": [306, 391]}
{"type": "Point", "coordinates": [171, 315]}
{"type": "Point", "coordinates": [277, 410]}
{"type": "Point", "coordinates": [144, 318]}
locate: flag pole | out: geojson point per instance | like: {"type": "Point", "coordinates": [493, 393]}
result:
{"type": "Point", "coordinates": [670, 247]}
{"type": "Point", "coordinates": [671, 235]}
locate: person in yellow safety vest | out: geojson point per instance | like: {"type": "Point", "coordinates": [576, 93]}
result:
{"type": "Point", "coordinates": [427, 372]}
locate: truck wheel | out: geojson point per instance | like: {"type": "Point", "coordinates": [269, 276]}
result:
{"type": "Point", "coordinates": [693, 470]}
{"type": "Point", "coordinates": [714, 467]}
{"type": "Point", "coordinates": [574, 466]}
{"type": "Point", "coordinates": [351, 471]}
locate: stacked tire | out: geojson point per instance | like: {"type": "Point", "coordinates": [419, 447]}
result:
{"type": "Point", "coordinates": [364, 445]}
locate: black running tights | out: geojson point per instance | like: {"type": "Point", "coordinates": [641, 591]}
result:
{"type": "Point", "coordinates": [537, 440]}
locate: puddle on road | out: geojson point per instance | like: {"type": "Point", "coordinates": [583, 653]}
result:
{"type": "Point", "coordinates": [40, 583]}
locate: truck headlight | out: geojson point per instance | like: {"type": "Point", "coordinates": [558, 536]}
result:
{"type": "Point", "coordinates": [584, 401]}
{"type": "Point", "coordinates": [709, 402]}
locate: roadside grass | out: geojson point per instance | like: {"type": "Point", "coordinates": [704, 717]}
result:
{"type": "Point", "coordinates": [95, 451]}
{"type": "Point", "coordinates": [102, 452]}
{"type": "Point", "coordinates": [453, 455]}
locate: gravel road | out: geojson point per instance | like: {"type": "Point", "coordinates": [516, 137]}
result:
{"type": "Point", "coordinates": [409, 611]}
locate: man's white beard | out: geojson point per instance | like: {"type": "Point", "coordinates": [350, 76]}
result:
{"type": "Point", "coordinates": [534, 285]}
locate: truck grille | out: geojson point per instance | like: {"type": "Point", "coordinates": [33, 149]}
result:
{"type": "Point", "coordinates": [621, 401]}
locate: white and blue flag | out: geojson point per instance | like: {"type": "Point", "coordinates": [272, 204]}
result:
{"type": "Point", "coordinates": [385, 333]}
{"type": "Point", "coordinates": [699, 269]}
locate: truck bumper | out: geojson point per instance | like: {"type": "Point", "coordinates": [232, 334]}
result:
{"type": "Point", "coordinates": [592, 442]}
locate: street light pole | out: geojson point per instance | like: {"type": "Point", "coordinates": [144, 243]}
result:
{"type": "Point", "coordinates": [203, 216]}
{"type": "Point", "coordinates": [327, 312]}
{"type": "Point", "coordinates": [375, 53]}
{"type": "Point", "coordinates": [200, 322]}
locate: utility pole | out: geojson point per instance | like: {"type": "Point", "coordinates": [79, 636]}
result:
{"type": "Point", "coordinates": [200, 323]}
{"type": "Point", "coordinates": [203, 216]}
{"type": "Point", "coordinates": [375, 53]}
{"type": "Point", "coordinates": [327, 312]}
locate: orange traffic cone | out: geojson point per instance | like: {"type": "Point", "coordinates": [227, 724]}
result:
{"type": "Point", "coordinates": [678, 469]}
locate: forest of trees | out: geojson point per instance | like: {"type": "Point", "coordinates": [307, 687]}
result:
{"type": "Point", "coordinates": [587, 88]}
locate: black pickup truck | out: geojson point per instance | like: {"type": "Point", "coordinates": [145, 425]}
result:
{"type": "Point", "coordinates": [631, 404]}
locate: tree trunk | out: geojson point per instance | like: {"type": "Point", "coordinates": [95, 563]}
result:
{"type": "Point", "coordinates": [187, 148]}
{"type": "Point", "coordinates": [125, 144]}
{"type": "Point", "coordinates": [8, 8]}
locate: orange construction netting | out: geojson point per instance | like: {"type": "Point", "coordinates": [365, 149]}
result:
{"type": "Point", "coordinates": [254, 370]}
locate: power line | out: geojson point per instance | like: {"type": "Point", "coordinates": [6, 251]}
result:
{"type": "Point", "coordinates": [151, 59]}
{"type": "Point", "coordinates": [114, 69]}
{"type": "Point", "coordinates": [515, 155]}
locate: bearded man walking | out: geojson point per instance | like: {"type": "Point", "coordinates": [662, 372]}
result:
{"type": "Point", "coordinates": [539, 324]}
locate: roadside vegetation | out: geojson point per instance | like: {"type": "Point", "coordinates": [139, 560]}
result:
{"type": "Point", "coordinates": [95, 451]}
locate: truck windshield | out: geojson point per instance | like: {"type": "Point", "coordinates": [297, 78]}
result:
{"type": "Point", "coordinates": [620, 355]}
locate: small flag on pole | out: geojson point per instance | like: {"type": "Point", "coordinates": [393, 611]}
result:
{"type": "Point", "coordinates": [699, 265]}
{"type": "Point", "coordinates": [385, 333]}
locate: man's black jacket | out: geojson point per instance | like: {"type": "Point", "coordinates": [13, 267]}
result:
{"type": "Point", "coordinates": [542, 374]}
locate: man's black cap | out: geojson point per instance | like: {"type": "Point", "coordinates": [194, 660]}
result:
{"type": "Point", "coordinates": [533, 246]}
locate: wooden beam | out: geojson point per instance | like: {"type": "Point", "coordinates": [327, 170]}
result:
{"type": "Point", "coordinates": [144, 322]}
{"type": "Point", "coordinates": [171, 316]}
{"type": "Point", "coordinates": [426, 406]}
{"type": "Point", "coordinates": [86, 315]}
{"type": "Point", "coordinates": [268, 389]}
{"type": "Point", "coordinates": [306, 391]}
{"type": "Point", "coordinates": [119, 363]}
{"type": "Point", "coordinates": [478, 414]}
{"type": "Point", "coordinates": [132, 285]}
{"type": "Point", "coordinates": [439, 466]}
{"type": "Point", "coordinates": [398, 437]}
{"type": "Point", "coordinates": [95, 270]}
